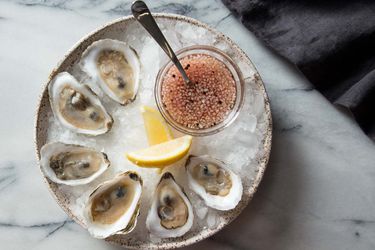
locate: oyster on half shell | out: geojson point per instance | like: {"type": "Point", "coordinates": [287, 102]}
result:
{"type": "Point", "coordinates": [171, 213]}
{"type": "Point", "coordinates": [72, 164]}
{"type": "Point", "coordinates": [113, 207]}
{"type": "Point", "coordinates": [114, 67]}
{"type": "Point", "coordinates": [214, 182]}
{"type": "Point", "coordinates": [77, 107]}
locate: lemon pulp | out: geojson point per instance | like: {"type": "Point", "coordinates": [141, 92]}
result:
{"type": "Point", "coordinates": [157, 129]}
{"type": "Point", "coordinates": [163, 154]}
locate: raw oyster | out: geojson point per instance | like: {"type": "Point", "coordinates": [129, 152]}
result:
{"type": "Point", "coordinates": [77, 107]}
{"type": "Point", "coordinates": [72, 164]}
{"type": "Point", "coordinates": [214, 182]}
{"type": "Point", "coordinates": [171, 214]}
{"type": "Point", "coordinates": [113, 207]}
{"type": "Point", "coordinates": [115, 67]}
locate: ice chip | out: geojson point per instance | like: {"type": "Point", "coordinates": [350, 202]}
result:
{"type": "Point", "coordinates": [212, 220]}
{"type": "Point", "coordinates": [201, 212]}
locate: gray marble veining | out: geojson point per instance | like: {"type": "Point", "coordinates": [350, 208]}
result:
{"type": "Point", "coordinates": [318, 191]}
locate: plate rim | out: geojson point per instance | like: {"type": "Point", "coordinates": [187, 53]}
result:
{"type": "Point", "coordinates": [262, 163]}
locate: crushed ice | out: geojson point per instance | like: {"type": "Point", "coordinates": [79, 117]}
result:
{"type": "Point", "coordinates": [238, 145]}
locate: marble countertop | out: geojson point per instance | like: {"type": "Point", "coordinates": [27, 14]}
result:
{"type": "Point", "coordinates": [317, 193]}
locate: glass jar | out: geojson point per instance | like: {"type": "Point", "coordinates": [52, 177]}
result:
{"type": "Point", "coordinates": [239, 85]}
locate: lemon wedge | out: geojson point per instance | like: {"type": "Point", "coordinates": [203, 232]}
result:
{"type": "Point", "coordinates": [163, 154]}
{"type": "Point", "coordinates": [157, 129]}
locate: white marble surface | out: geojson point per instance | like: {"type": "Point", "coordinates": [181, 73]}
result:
{"type": "Point", "coordinates": [318, 191]}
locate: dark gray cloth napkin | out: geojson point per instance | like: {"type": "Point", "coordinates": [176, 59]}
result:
{"type": "Point", "coordinates": [332, 43]}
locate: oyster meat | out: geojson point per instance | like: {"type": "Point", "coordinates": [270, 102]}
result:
{"type": "Point", "coordinates": [171, 214]}
{"type": "Point", "coordinates": [214, 182]}
{"type": "Point", "coordinates": [77, 107]}
{"type": "Point", "coordinates": [72, 164]}
{"type": "Point", "coordinates": [115, 67]}
{"type": "Point", "coordinates": [113, 207]}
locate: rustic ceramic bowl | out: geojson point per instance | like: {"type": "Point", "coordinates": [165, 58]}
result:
{"type": "Point", "coordinates": [43, 112]}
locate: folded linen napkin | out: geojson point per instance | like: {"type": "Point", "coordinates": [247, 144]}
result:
{"type": "Point", "coordinates": [332, 42]}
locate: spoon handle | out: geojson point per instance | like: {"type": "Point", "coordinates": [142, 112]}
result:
{"type": "Point", "coordinates": [143, 15]}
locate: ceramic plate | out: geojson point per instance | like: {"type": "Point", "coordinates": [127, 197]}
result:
{"type": "Point", "coordinates": [258, 105]}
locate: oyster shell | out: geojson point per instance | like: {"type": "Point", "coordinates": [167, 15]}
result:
{"type": "Point", "coordinates": [115, 67]}
{"type": "Point", "coordinates": [77, 107]}
{"type": "Point", "coordinates": [72, 164]}
{"type": "Point", "coordinates": [171, 214]}
{"type": "Point", "coordinates": [113, 207]}
{"type": "Point", "coordinates": [214, 182]}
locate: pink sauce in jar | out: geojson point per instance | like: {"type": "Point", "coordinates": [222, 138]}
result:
{"type": "Point", "coordinates": [207, 100]}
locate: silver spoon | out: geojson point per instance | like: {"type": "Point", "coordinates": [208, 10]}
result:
{"type": "Point", "coordinates": [143, 15]}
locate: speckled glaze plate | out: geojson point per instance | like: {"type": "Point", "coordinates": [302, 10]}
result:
{"type": "Point", "coordinates": [251, 76]}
